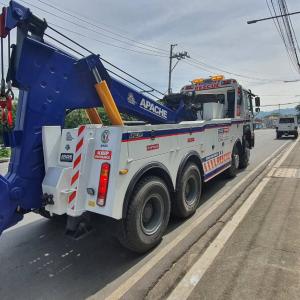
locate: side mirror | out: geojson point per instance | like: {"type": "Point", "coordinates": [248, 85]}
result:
{"type": "Point", "coordinates": [257, 101]}
{"type": "Point", "coordinates": [257, 109]}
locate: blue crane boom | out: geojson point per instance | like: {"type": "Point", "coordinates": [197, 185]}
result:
{"type": "Point", "coordinates": [51, 81]}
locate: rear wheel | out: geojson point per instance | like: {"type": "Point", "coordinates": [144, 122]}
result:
{"type": "Point", "coordinates": [188, 195]}
{"type": "Point", "coordinates": [148, 215]}
{"type": "Point", "coordinates": [235, 162]}
{"type": "Point", "coordinates": [245, 156]}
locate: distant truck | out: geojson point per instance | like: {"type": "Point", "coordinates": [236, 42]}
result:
{"type": "Point", "coordinates": [287, 126]}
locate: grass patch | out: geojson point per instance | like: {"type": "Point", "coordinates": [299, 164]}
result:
{"type": "Point", "coordinates": [4, 152]}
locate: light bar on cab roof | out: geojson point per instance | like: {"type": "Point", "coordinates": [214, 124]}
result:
{"type": "Point", "coordinates": [197, 81]}
{"type": "Point", "coordinates": [217, 77]}
{"type": "Point", "coordinates": [212, 78]}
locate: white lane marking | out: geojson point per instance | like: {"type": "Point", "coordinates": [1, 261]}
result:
{"type": "Point", "coordinates": [132, 280]}
{"type": "Point", "coordinates": [195, 274]}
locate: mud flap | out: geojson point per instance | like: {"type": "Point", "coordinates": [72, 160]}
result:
{"type": "Point", "coordinates": [8, 209]}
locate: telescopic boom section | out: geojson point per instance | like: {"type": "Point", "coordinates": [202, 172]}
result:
{"type": "Point", "coordinates": [50, 82]}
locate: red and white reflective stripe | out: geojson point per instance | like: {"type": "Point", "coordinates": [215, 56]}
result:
{"type": "Point", "coordinates": [76, 165]}
{"type": "Point", "coordinates": [216, 162]}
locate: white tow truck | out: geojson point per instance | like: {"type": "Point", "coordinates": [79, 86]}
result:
{"type": "Point", "coordinates": [140, 174]}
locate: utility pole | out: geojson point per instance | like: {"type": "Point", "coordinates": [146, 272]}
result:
{"type": "Point", "coordinates": [178, 56]}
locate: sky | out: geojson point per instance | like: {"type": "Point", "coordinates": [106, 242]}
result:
{"type": "Point", "coordinates": [212, 32]}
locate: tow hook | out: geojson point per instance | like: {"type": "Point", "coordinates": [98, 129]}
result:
{"type": "Point", "coordinates": [47, 199]}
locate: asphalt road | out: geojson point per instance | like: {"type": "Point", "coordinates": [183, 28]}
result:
{"type": "Point", "coordinates": [37, 261]}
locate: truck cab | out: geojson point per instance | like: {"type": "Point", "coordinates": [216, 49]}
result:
{"type": "Point", "coordinates": [286, 126]}
{"type": "Point", "coordinates": [232, 101]}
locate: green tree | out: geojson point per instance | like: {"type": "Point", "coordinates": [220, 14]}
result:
{"type": "Point", "coordinates": [74, 118]}
{"type": "Point", "coordinates": [78, 117]}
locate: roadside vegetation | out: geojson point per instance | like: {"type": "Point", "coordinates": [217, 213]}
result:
{"type": "Point", "coordinates": [4, 153]}
{"type": "Point", "coordinates": [73, 120]}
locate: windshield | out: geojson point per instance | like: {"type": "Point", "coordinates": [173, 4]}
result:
{"type": "Point", "coordinates": [286, 120]}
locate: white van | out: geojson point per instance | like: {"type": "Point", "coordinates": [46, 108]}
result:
{"type": "Point", "coordinates": [287, 126]}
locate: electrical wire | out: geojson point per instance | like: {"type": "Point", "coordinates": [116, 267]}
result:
{"type": "Point", "coordinates": [192, 61]}
{"type": "Point", "coordinates": [281, 104]}
{"type": "Point", "coordinates": [135, 85]}
{"type": "Point", "coordinates": [277, 25]}
{"type": "Point", "coordinates": [85, 20]}
{"type": "Point", "coordinates": [151, 52]}
{"type": "Point", "coordinates": [196, 66]}
{"type": "Point", "coordinates": [290, 31]}
{"type": "Point", "coordinates": [133, 77]}
{"type": "Point", "coordinates": [63, 44]}
{"type": "Point", "coordinates": [210, 67]}
{"type": "Point", "coordinates": [119, 69]}
{"type": "Point", "coordinates": [286, 31]}
{"type": "Point", "coordinates": [105, 43]}
{"type": "Point", "coordinates": [106, 61]}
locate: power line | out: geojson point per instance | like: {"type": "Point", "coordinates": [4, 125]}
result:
{"type": "Point", "coordinates": [286, 30]}
{"type": "Point", "coordinates": [276, 95]}
{"type": "Point", "coordinates": [288, 103]}
{"type": "Point", "coordinates": [85, 20]}
{"type": "Point", "coordinates": [291, 31]}
{"type": "Point", "coordinates": [89, 51]}
{"type": "Point", "coordinates": [210, 67]}
{"type": "Point", "coordinates": [119, 69]}
{"type": "Point", "coordinates": [197, 66]}
{"type": "Point", "coordinates": [151, 52]}
{"type": "Point", "coordinates": [278, 28]}
{"type": "Point", "coordinates": [102, 42]}
{"type": "Point", "coordinates": [119, 76]}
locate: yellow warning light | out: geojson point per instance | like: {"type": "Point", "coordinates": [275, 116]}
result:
{"type": "Point", "coordinates": [197, 81]}
{"type": "Point", "coordinates": [217, 77]}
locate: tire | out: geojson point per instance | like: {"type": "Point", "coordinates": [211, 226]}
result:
{"type": "Point", "coordinates": [188, 193]}
{"type": "Point", "coordinates": [235, 162]}
{"type": "Point", "coordinates": [148, 215]}
{"type": "Point", "coordinates": [245, 156]}
{"type": "Point", "coordinates": [278, 135]}
{"type": "Point", "coordinates": [296, 135]}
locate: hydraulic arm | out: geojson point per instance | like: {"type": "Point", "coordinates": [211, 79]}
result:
{"type": "Point", "coordinates": [51, 81]}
